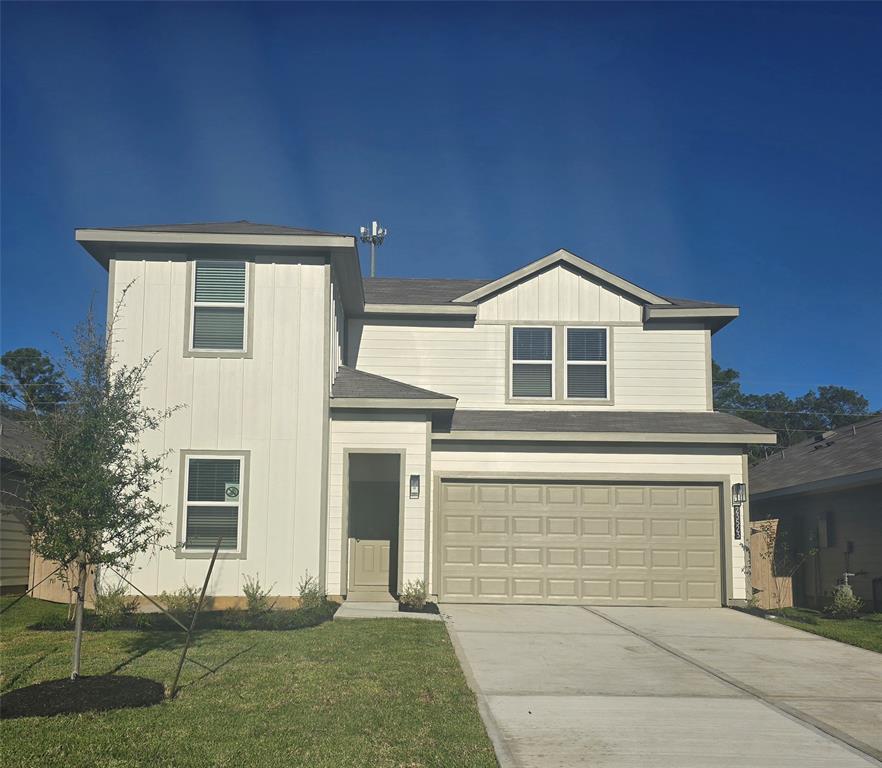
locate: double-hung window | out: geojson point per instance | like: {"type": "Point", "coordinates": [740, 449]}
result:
{"type": "Point", "coordinates": [532, 362]}
{"type": "Point", "coordinates": [219, 311]}
{"type": "Point", "coordinates": [587, 363]}
{"type": "Point", "coordinates": [214, 501]}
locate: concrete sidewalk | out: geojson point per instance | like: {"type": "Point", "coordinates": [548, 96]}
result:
{"type": "Point", "coordinates": [637, 687]}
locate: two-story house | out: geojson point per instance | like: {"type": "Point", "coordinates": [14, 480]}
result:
{"type": "Point", "coordinates": [544, 437]}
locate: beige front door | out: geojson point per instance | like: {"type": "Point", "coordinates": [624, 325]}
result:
{"type": "Point", "coordinates": [590, 543]}
{"type": "Point", "coordinates": [370, 565]}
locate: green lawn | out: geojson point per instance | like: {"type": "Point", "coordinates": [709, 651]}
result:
{"type": "Point", "coordinates": [864, 632]}
{"type": "Point", "coordinates": [346, 693]}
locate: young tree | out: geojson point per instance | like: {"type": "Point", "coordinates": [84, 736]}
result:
{"type": "Point", "coordinates": [31, 380]}
{"type": "Point", "coordinates": [89, 492]}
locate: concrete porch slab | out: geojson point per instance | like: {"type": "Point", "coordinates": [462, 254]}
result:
{"type": "Point", "coordinates": [355, 610]}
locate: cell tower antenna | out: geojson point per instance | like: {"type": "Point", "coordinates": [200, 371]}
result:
{"type": "Point", "coordinates": [375, 235]}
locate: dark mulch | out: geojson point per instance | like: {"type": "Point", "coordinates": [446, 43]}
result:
{"type": "Point", "coordinates": [427, 608]}
{"type": "Point", "coordinates": [87, 694]}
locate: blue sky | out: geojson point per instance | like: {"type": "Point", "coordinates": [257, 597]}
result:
{"type": "Point", "coordinates": [719, 151]}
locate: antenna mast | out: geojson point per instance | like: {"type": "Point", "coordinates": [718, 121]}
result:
{"type": "Point", "coordinates": [375, 236]}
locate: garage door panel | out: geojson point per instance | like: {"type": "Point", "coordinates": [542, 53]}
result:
{"type": "Point", "coordinates": [584, 543]}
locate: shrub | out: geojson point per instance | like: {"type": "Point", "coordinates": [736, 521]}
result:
{"type": "Point", "coordinates": [311, 593]}
{"type": "Point", "coordinates": [845, 605]}
{"type": "Point", "coordinates": [182, 602]}
{"type": "Point", "coordinates": [414, 594]}
{"type": "Point", "coordinates": [256, 597]}
{"type": "Point", "coordinates": [113, 605]}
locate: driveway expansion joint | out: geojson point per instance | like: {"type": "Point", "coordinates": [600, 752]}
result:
{"type": "Point", "coordinates": [854, 745]}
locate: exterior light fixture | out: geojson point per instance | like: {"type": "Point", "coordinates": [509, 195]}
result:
{"type": "Point", "coordinates": [739, 496]}
{"type": "Point", "coordinates": [414, 486]}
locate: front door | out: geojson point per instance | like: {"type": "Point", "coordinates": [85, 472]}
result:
{"type": "Point", "coordinates": [374, 506]}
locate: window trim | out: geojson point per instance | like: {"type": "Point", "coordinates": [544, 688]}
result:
{"type": "Point", "coordinates": [247, 308]}
{"type": "Point", "coordinates": [567, 363]}
{"type": "Point", "coordinates": [511, 364]}
{"type": "Point", "coordinates": [240, 552]}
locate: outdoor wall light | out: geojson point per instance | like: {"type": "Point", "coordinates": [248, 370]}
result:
{"type": "Point", "coordinates": [414, 486]}
{"type": "Point", "coordinates": [739, 496]}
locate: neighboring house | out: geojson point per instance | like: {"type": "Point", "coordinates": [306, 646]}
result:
{"type": "Point", "coordinates": [17, 442]}
{"type": "Point", "coordinates": [826, 494]}
{"type": "Point", "coordinates": [548, 436]}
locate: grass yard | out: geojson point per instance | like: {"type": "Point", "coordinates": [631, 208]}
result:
{"type": "Point", "coordinates": [864, 632]}
{"type": "Point", "coordinates": [345, 693]}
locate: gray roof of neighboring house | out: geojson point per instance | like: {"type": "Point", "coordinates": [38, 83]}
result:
{"type": "Point", "coordinates": [699, 422]}
{"type": "Point", "coordinates": [418, 290]}
{"type": "Point", "coordinates": [838, 454]}
{"type": "Point", "coordinates": [17, 440]}
{"type": "Point", "coordinates": [354, 383]}
{"type": "Point", "coordinates": [240, 227]}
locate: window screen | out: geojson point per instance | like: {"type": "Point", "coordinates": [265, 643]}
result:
{"type": "Point", "coordinates": [219, 303]}
{"type": "Point", "coordinates": [214, 503]}
{"type": "Point", "coordinates": [532, 362]}
{"type": "Point", "coordinates": [587, 363]}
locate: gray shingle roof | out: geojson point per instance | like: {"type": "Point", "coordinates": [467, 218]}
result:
{"type": "Point", "coordinates": [698, 423]}
{"type": "Point", "coordinates": [436, 291]}
{"type": "Point", "coordinates": [351, 382]}
{"type": "Point", "coordinates": [840, 453]}
{"type": "Point", "coordinates": [17, 440]}
{"type": "Point", "coordinates": [241, 227]}
{"type": "Point", "coordinates": [413, 290]}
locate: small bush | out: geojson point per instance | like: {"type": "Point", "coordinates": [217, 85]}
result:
{"type": "Point", "coordinates": [414, 594]}
{"type": "Point", "coordinates": [256, 597]}
{"type": "Point", "coordinates": [845, 605]}
{"type": "Point", "coordinates": [181, 603]}
{"type": "Point", "coordinates": [113, 605]}
{"type": "Point", "coordinates": [311, 593]}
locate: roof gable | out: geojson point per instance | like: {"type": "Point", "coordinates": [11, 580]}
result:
{"type": "Point", "coordinates": [563, 256]}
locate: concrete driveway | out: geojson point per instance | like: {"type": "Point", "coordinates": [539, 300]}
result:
{"type": "Point", "coordinates": [640, 687]}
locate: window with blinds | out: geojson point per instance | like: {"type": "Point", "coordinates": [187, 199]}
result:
{"type": "Point", "coordinates": [587, 363]}
{"type": "Point", "coordinates": [219, 305]}
{"type": "Point", "coordinates": [214, 503]}
{"type": "Point", "coordinates": [532, 362]}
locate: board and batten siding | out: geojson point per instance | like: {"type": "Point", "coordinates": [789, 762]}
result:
{"type": "Point", "coordinates": [559, 294]}
{"type": "Point", "coordinates": [393, 432]}
{"type": "Point", "coordinates": [653, 370]}
{"type": "Point", "coordinates": [269, 404]}
{"type": "Point", "coordinates": [522, 461]}
{"type": "Point", "coordinates": [337, 331]}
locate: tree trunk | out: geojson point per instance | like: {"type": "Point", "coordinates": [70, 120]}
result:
{"type": "Point", "coordinates": [78, 626]}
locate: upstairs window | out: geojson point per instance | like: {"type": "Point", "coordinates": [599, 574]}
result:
{"type": "Point", "coordinates": [213, 503]}
{"type": "Point", "coordinates": [219, 306]}
{"type": "Point", "coordinates": [587, 363]}
{"type": "Point", "coordinates": [532, 362]}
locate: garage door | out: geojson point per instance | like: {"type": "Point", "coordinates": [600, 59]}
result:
{"type": "Point", "coordinates": [582, 543]}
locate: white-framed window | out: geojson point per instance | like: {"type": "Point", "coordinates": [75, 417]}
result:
{"type": "Point", "coordinates": [214, 497]}
{"type": "Point", "coordinates": [587, 374]}
{"type": "Point", "coordinates": [532, 362]}
{"type": "Point", "coordinates": [219, 311]}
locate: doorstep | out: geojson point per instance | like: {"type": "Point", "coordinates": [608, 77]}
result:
{"type": "Point", "coordinates": [357, 610]}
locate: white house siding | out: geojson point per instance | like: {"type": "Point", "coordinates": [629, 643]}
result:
{"type": "Point", "coordinates": [338, 328]}
{"type": "Point", "coordinates": [653, 370]}
{"type": "Point", "coordinates": [547, 460]}
{"type": "Point", "coordinates": [269, 404]}
{"type": "Point", "coordinates": [394, 432]}
{"type": "Point", "coordinates": [559, 294]}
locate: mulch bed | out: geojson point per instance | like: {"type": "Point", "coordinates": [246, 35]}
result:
{"type": "Point", "coordinates": [87, 694]}
{"type": "Point", "coordinates": [427, 608]}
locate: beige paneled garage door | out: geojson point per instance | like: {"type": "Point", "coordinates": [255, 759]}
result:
{"type": "Point", "coordinates": [587, 543]}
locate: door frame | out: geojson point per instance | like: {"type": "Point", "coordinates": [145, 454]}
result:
{"type": "Point", "coordinates": [723, 482]}
{"type": "Point", "coordinates": [344, 550]}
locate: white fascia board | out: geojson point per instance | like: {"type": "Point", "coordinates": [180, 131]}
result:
{"type": "Point", "coordinates": [420, 309]}
{"type": "Point", "coordinates": [211, 238]}
{"type": "Point", "coordinates": [398, 404]}
{"type": "Point", "coordinates": [610, 437]}
{"type": "Point", "coordinates": [684, 313]}
{"type": "Point", "coordinates": [575, 262]}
